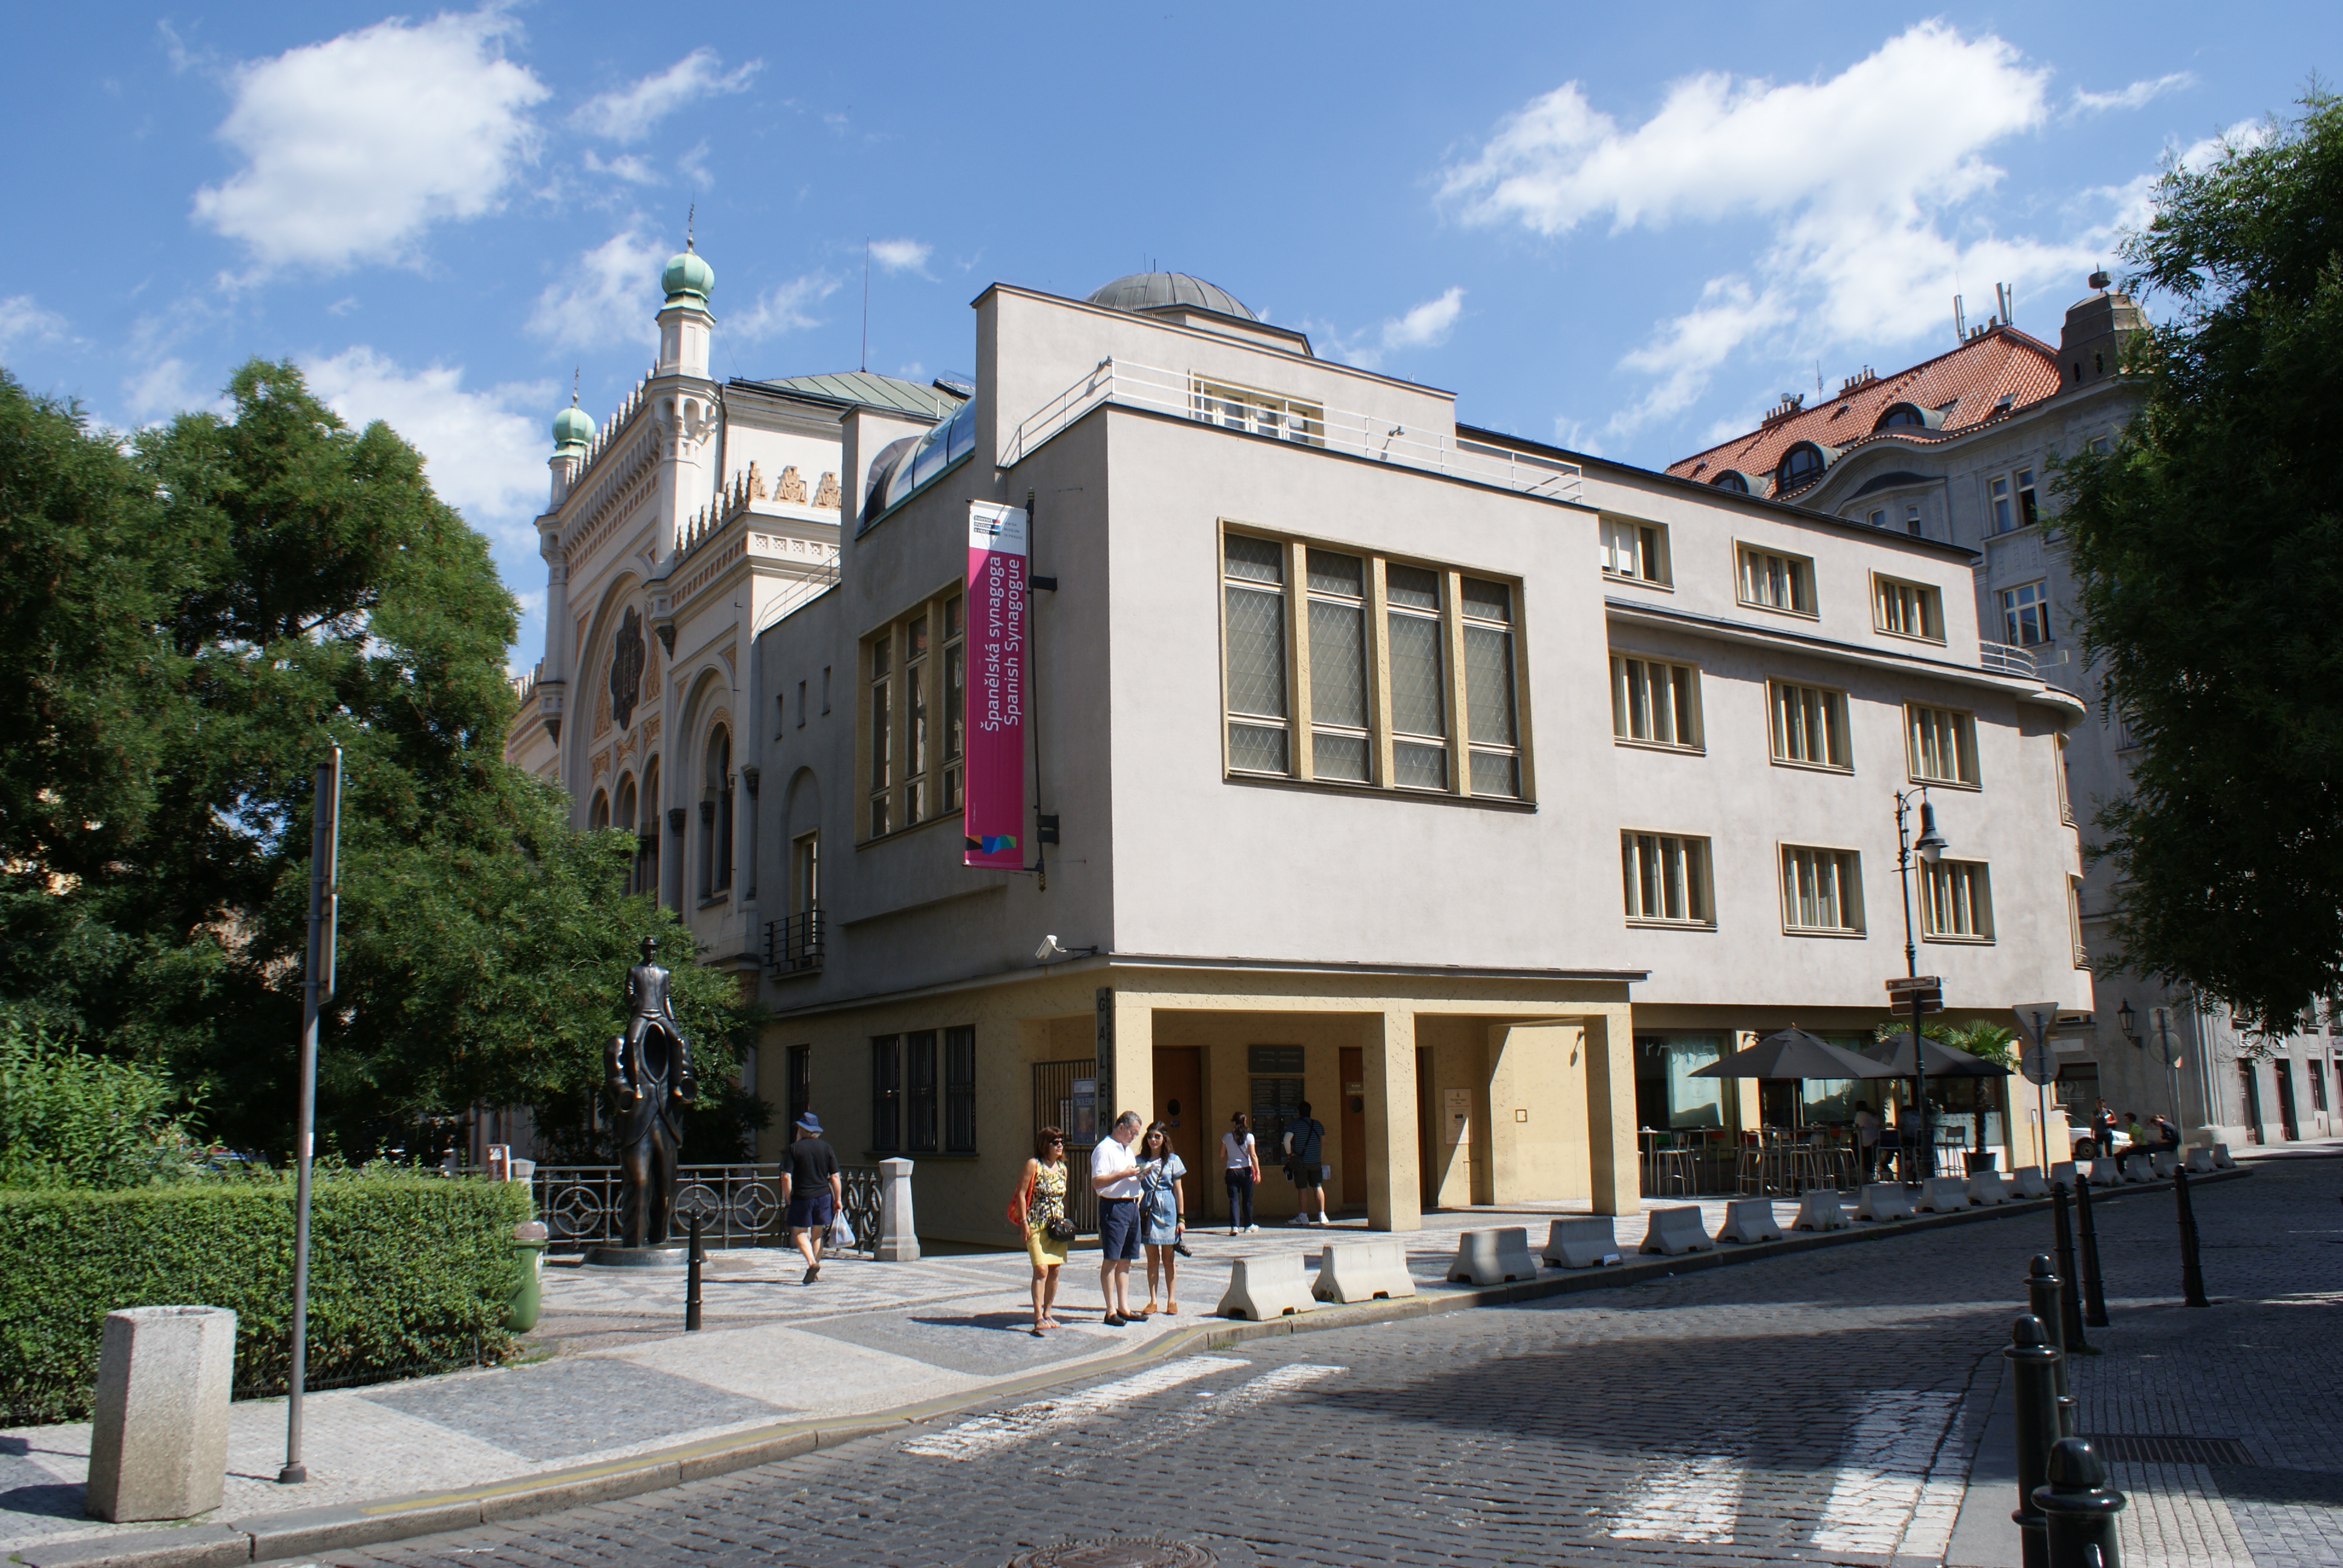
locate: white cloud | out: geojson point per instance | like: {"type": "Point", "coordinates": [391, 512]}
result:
{"type": "Point", "coordinates": [899, 255]}
{"type": "Point", "coordinates": [1870, 229]}
{"type": "Point", "coordinates": [693, 165]}
{"type": "Point", "coordinates": [608, 295]}
{"type": "Point", "coordinates": [2139, 95]}
{"type": "Point", "coordinates": [484, 452]}
{"type": "Point", "coordinates": [355, 146]}
{"type": "Point", "coordinates": [22, 320]}
{"type": "Point", "coordinates": [626, 166]}
{"type": "Point", "coordinates": [1427, 325]}
{"type": "Point", "coordinates": [784, 307]}
{"type": "Point", "coordinates": [632, 112]}
{"type": "Point", "coordinates": [164, 388]}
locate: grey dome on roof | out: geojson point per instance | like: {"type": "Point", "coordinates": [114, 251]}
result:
{"type": "Point", "coordinates": [1154, 290]}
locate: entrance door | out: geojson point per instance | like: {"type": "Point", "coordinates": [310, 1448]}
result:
{"type": "Point", "coordinates": [2253, 1101]}
{"type": "Point", "coordinates": [1427, 1173]}
{"type": "Point", "coordinates": [2287, 1125]}
{"type": "Point", "coordinates": [1354, 1128]}
{"type": "Point", "coordinates": [1180, 1105]}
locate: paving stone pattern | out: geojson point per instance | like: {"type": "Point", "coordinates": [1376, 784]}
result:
{"type": "Point", "coordinates": [1811, 1408]}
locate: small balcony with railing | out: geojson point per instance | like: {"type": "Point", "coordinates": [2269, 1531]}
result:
{"type": "Point", "coordinates": [1282, 417]}
{"type": "Point", "coordinates": [793, 943]}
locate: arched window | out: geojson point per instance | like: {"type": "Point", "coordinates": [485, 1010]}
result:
{"type": "Point", "coordinates": [646, 841]}
{"type": "Point", "coordinates": [622, 816]}
{"type": "Point", "coordinates": [1901, 416]}
{"type": "Point", "coordinates": [598, 815]}
{"type": "Point", "coordinates": [1731, 479]}
{"type": "Point", "coordinates": [1800, 465]}
{"type": "Point", "coordinates": [716, 815]}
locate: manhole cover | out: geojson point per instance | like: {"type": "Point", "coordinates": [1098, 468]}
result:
{"type": "Point", "coordinates": [1119, 1552]}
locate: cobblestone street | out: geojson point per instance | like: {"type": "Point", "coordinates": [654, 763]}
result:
{"type": "Point", "coordinates": [1820, 1407]}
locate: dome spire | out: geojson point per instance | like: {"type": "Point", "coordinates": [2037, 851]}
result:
{"type": "Point", "coordinates": [690, 214]}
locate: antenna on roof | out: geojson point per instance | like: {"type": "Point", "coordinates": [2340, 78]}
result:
{"type": "Point", "coordinates": [1960, 322]}
{"type": "Point", "coordinates": [866, 301]}
{"type": "Point", "coordinates": [2009, 303]}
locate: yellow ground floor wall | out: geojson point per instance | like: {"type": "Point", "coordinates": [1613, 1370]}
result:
{"type": "Point", "coordinates": [1466, 1090]}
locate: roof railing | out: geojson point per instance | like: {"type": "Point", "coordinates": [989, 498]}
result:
{"type": "Point", "coordinates": [1253, 411]}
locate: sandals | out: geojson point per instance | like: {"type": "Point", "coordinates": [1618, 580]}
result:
{"type": "Point", "coordinates": [1171, 1307]}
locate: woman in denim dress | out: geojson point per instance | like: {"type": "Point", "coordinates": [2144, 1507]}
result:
{"type": "Point", "coordinates": [1162, 1218]}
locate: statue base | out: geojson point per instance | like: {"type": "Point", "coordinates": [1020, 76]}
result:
{"type": "Point", "coordinates": [671, 1256]}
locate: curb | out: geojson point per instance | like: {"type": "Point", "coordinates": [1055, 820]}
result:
{"type": "Point", "coordinates": [306, 1532]}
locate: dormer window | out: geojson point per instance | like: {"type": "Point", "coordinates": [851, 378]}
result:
{"type": "Point", "coordinates": [1801, 465]}
{"type": "Point", "coordinates": [1901, 416]}
{"type": "Point", "coordinates": [1731, 479]}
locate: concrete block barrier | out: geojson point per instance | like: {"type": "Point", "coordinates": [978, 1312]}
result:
{"type": "Point", "coordinates": [2062, 1174]}
{"type": "Point", "coordinates": [1261, 1289]}
{"type": "Point", "coordinates": [1987, 1188]}
{"type": "Point", "coordinates": [1884, 1201]}
{"type": "Point", "coordinates": [158, 1433]}
{"type": "Point", "coordinates": [1673, 1232]}
{"type": "Point", "coordinates": [1587, 1243]}
{"type": "Point", "coordinates": [1749, 1220]}
{"type": "Point", "coordinates": [2221, 1161]}
{"type": "Point", "coordinates": [1944, 1194]}
{"type": "Point", "coordinates": [2026, 1181]}
{"type": "Point", "coordinates": [2137, 1168]}
{"type": "Point", "coordinates": [1363, 1270]}
{"type": "Point", "coordinates": [2200, 1163]}
{"type": "Point", "coordinates": [1494, 1257]}
{"type": "Point", "coordinates": [2104, 1173]}
{"type": "Point", "coordinates": [1821, 1210]}
{"type": "Point", "coordinates": [2164, 1162]}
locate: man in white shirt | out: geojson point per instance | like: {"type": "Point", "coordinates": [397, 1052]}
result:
{"type": "Point", "coordinates": [1114, 1176]}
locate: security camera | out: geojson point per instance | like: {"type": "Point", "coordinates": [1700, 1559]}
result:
{"type": "Point", "coordinates": [1049, 951]}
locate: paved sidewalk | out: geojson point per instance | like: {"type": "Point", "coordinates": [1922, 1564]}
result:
{"type": "Point", "coordinates": [2237, 1399]}
{"type": "Point", "coordinates": [616, 1375]}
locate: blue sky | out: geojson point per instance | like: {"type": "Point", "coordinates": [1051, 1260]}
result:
{"type": "Point", "coordinates": [1627, 229]}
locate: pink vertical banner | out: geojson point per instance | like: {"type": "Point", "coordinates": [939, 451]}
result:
{"type": "Point", "coordinates": [994, 813]}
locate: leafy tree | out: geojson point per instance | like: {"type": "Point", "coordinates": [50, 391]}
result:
{"type": "Point", "coordinates": [2207, 549]}
{"type": "Point", "coordinates": [263, 585]}
{"type": "Point", "coordinates": [1989, 1040]}
{"type": "Point", "coordinates": [68, 1118]}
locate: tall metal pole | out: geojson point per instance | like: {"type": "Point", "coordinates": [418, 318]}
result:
{"type": "Point", "coordinates": [2163, 1017]}
{"type": "Point", "coordinates": [316, 990]}
{"type": "Point", "coordinates": [1925, 1157]}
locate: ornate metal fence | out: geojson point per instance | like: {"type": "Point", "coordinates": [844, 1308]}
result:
{"type": "Point", "coordinates": [738, 1205]}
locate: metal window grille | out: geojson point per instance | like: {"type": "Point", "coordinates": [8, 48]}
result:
{"type": "Point", "coordinates": [960, 1090]}
{"type": "Point", "coordinates": [887, 1093]}
{"type": "Point", "coordinates": [921, 1053]}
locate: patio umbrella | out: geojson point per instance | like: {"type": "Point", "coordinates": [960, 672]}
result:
{"type": "Point", "coordinates": [1794, 1053]}
{"type": "Point", "coordinates": [1941, 1061]}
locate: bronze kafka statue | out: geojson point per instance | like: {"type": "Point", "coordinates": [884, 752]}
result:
{"type": "Point", "coordinates": [648, 1073]}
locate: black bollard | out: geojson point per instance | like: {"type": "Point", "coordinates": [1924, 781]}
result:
{"type": "Point", "coordinates": [2080, 1508]}
{"type": "Point", "coordinates": [2192, 1273]}
{"type": "Point", "coordinates": [2034, 1370]}
{"type": "Point", "coordinates": [2045, 1298]}
{"type": "Point", "coordinates": [2070, 1299]}
{"type": "Point", "coordinates": [2094, 1296]}
{"type": "Point", "coordinates": [691, 1278]}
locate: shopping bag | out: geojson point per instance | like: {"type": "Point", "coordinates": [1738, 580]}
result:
{"type": "Point", "coordinates": [841, 1233]}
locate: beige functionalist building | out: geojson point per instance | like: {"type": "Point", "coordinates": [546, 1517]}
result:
{"type": "Point", "coordinates": [1474, 791]}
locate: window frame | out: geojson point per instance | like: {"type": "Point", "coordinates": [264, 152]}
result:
{"type": "Point", "coordinates": [1458, 628]}
{"type": "Point", "coordinates": [1837, 702]}
{"type": "Point", "coordinates": [919, 693]}
{"type": "Point", "coordinates": [1275, 415]}
{"type": "Point", "coordinates": [1847, 874]}
{"type": "Point", "coordinates": [1925, 599]}
{"type": "Point", "coordinates": [1654, 564]}
{"type": "Point", "coordinates": [1980, 874]}
{"type": "Point", "coordinates": [886, 1093]}
{"type": "Point", "coordinates": [1699, 881]}
{"type": "Point", "coordinates": [959, 1090]}
{"type": "Point", "coordinates": [2075, 922]}
{"type": "Point", "coordinates": [1621, 714]}
{"type": "Point", "coordinates": [922, 1093]}
{"type": "Point", "coordinates": [2039, 604]}
{"type": "Point", "coordinates": [1798, 568]}
{"type": "Point", "coordinates": [1966, 730]}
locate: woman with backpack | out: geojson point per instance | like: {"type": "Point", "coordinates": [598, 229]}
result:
{"type": "Point", "coordinates": [1241, 1169]}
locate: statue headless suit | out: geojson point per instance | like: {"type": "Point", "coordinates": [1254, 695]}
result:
{"type": "Point", "coordinates": [648, 1073]}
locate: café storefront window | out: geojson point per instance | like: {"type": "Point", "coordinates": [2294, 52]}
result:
{"type": "Point", "coordinates": [1668, 1098]}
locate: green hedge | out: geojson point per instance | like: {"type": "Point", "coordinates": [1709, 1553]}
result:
{"type": "Point", "coordinates": [407, 1274]}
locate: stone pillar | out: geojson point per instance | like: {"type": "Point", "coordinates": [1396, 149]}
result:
{"type": "Point", "coordinates": [899, 1237]}
{"type": "Point", "coordinates": [1126, 1044]}
{"type": "Point", "coordinates": [1613, 1169]}
{"type": "Point", "coordinates": [158, 1440]}
{"type": "Point", "coordinates": [1395, 1181]}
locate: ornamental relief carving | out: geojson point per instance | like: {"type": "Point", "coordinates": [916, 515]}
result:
{"type": "Point", "coordinates": [791, 488]}
{"type": "Point", "coordinates": [601, 712]}
{"type": "Point", "coordinates": [826, 493]}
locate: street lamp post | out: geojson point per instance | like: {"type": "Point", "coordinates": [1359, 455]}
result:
{"type": "Point", "coordinates": [2163, 1017]}
{"type": "Point", "coordinates": [1930, 848]}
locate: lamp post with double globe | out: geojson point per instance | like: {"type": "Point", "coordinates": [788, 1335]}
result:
{"type": "Point", "coordinates": [1929, 848]}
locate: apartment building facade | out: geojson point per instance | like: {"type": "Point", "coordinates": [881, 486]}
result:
{"type": "Point", "coordinates": [1963, 447]}
{"type": "Point", "coordinates": [1473, 791]}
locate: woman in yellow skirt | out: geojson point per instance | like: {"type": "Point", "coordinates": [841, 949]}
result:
{"type": "Point", "coordinates": [1038, 1206]}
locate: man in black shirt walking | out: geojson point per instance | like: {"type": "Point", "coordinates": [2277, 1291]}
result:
{"type": "Point", "coordinates": [813, 1190]}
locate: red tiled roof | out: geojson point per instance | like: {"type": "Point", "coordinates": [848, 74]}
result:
{"type": "Point", "coordinates": [2000, 370]}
